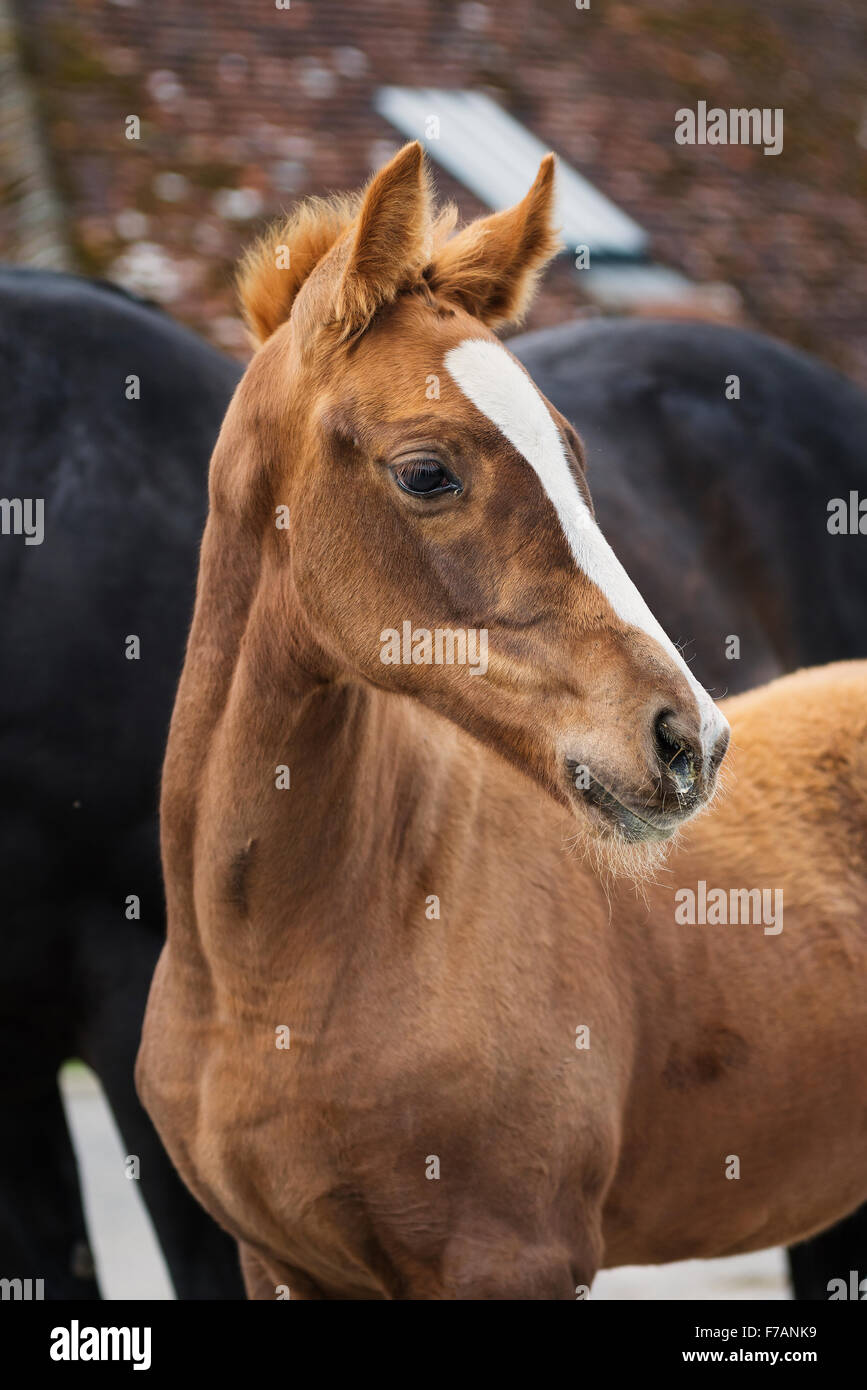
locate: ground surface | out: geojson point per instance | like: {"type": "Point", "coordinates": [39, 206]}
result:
{"type": "Point", "coordinates": [129, 1263]}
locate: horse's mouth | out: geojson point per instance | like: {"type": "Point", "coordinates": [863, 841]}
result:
{"type": "Point", "coordinates": [629, 824]}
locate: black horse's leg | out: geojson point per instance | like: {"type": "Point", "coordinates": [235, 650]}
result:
{"type": "Point", "coordinates": [42, 1230]}
{"type": "Point", "coordinates": [833, 1254]}
{"type": "Point", "coordinates": [202, 1260]}
{"type": "Point", "coordinates": [119, 962]}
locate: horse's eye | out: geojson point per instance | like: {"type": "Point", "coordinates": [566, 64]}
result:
{"type": "Point", "coordinates": [425, 478]}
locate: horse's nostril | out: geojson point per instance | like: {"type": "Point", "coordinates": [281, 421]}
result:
{"type": "Point", "coordinates": [720, 748]}
{"type": "Point", "coordinates": [675, 754]}
{"type": "Point", "coordinates": [682, 770]}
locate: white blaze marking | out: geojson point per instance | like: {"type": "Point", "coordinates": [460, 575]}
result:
{"type": "Point", "coordinates": [497, 386]}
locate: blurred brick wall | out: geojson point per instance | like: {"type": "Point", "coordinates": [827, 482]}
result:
{"type": "Point", "coordinates": [244, 107]}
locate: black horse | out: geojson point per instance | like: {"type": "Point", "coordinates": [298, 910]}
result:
{"type": "Point", "coordinates": [81, 733]}
{"type": "Point", "coordinates": [717, 507]}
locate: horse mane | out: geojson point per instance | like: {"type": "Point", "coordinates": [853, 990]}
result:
{"type": "Point", "coordinates": [267, 289]}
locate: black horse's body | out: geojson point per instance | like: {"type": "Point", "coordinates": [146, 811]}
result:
{"type": "Point", "coordinates": [717, 507]}
{"type": "Point", "coordinates": [81, 733]}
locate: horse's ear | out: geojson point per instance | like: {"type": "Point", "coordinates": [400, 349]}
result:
{"type": "Point", "coordinates": [492, 266]}
{"type": "Point", "coordinates": [391, 241]}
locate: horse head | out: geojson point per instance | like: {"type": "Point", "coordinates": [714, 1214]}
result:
{"type": "Point", "coordinates": [441, 541]}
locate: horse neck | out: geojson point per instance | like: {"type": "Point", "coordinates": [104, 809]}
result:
{"type": "Point", "coordinates": [298, 793]}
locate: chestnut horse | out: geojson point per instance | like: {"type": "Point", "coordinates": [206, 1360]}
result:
{"type": "Point", "coordinates": [378, 954]}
